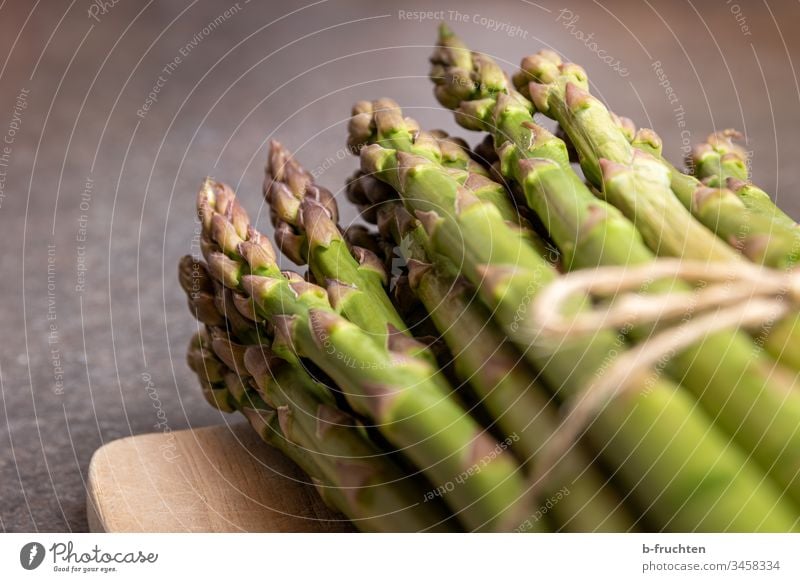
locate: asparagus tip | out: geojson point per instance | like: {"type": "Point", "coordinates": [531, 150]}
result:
{"type": "Point", "coordinates": [735, 184]}
{"type": "Point", "coordinates": [576, 97]}
{"type": "Point", "coordinates": [330, 417]}
{"type": "Point", "coordinates": [338, 291]}
{"type": "Point", "coordinates": [610, 169]}
{"type": "Point", "coordinates": [532, 166]}
{"type": "Point", "coordinates": [539, 93]}
{"type": "Point", "coordinates": [429, 220]}
{"type": "Point", "coordinates": [416, 271]}
{"type": "Point", "coordinates": [286, 422]}
{"type": "Point", "coordinates": [224, 269]}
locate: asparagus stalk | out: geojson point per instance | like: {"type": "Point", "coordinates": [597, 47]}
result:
{"type": "Point", "coordinates": [724, 369]}
{"type": "Point", "coordinates": [385, 381]}
{"type": "Point", "coordinates": [719, 158]}
{"type": "Point", "coordinates": [212, 372]}
{"type": "Point", "coordinates": [719, 162]}
{"type": "Point", "coordinates": [758, 201]}
{"type": "Point", "coordinates": [387, 126]}
{"type": "Point", "coordinates": [560, 90]}
{"type": "Point", "coordinates": [302, 421]}
{"type": "Point", "coordinates": [687, 474]}
{"type": "Point", "coordinates": [503, 382]}
{"type": "Point", "coordinates": [749, 214]}
{"type": "Point", "coordinates": [382, 122]}
{"type": "Point", "coordinates": [380, 496]}
{"type": "Point", "coordinates": [308, 211]}
{"type": "Point", "coordinates": [298, 415]}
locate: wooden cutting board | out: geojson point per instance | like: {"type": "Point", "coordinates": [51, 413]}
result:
{"type": "Point", "coordinates": [215, 479]}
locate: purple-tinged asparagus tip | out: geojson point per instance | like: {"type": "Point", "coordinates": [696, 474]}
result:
{"type": "Point", "coordinates": [258, 287]}
{"type": "Point", "coordinates": [625, 124]}
{"type": "Point", "coordinates": [542, 66]}
{"type": "Point", "coordinates": [388, 115]}
{"type": "Point", "coordinates": [611, 169]}
{"type": "Point", "coordinates": [732, 157]}
{"type": "Point", "coordinates": [369, 261]}
{"type": "Point", "coordinates": [735, 184]}
{"type": "Point", "coordinates": [596, 215]}
{"type": "Point", "coordinates": [322, 324]}
{"type": "Point", "coordinates": [245, 306]}
{"type": "Point", "coordinates": [204, 309]}
{"type": "Point", "coordinates": [277, 159]}
{"type": "Point", "coordinates": [320, 227]}
{"type": "Point", "coordinates": [576, 97]}
{"type": "Point", "coordinates": [224, 269]}
{"type": "Point", "coordinates": [700, 151]}
{"type": "Point", "coordinates": [231, 354]}
{"type": "Point", "coordinates": [529, 167]}
{"type": "Point", "coordinates": [647, 136]}
{"type": "Point", "coordinates": [399, 342]}
{"type": "Point", "coordinates": [724, 139]}
{"type": "Point", "coordinates": [405, 221]}
{"type": "Point", "coordinates": [283, 330]}
{"type": "Point", "coordinates": [465, 199]}
{"type": "Point", "coordinates": [259, 420]}
{"type": "Point", "coordinates": [193, 276]}
{"type": "Point", "coordinates": [550, 55]}
{"type": "Point", "coordinates": [286, 422]}
{"type": "Point", "coordinates": [258, 256]}
{"type": "Point", "coordinates": [416, 271]}
{"type": "Point", "coordinates": [379, 398]}
{"type": "Point", "coordinates": [354, 477]}
{"type": "Point", "coordinates": [259, 363]}
{"type": "Point", "coordinates": [429, 220]}
{"type": "Point", "coordinates": [338, 292]}
{"type": "Point", "coordinates": [371, 158]}
{"type": "Point", "coordinates": [495, 277]}
{"type": "Point", "coordinates": [224, 233]}
{"type": "Point", "coordinates": [361, 126]}
{"type": "Point", "coordinates": [754, 246]}
{"type": "Point", "coordinates": [540, 94]}
{"type": "Point", "coordinates": [480, 448]}
{"type": "Point", "coordinates": [302, 287]}
{"type": "Point", "coordinates": [705, 194]}
{"type": "Point", "coordinates": [328, 418]}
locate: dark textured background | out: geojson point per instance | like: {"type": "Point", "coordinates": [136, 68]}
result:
{"type": "Point", "coordinates": [273, 69]}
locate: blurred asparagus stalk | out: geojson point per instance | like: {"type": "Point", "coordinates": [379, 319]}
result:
{"type": "Point", "coordinates": [719, 162]}
{"type": "Point", "coordinates": [383, 379]}
{"type": "Point", "coordinates": [725, 372]}
{"type": "Point", "coordinates": [496, 371]}
{"type": "Point", "coordinates": [641, 184]}
{"type": "Point", "coordinates": [297, 414]}
{"type": "Point", "coordinates": [508, 274]}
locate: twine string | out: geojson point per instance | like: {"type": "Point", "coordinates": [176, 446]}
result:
{"type": "Point", "coordinates": [729, 297]}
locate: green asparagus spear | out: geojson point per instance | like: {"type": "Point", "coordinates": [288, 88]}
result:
{"type": "Point", "coordinates": [355, 285]}
{"type": "Point", "coordinates": [675, 462]}
{"type": "Point", "coordinates": [388, 127]}
{"type": "Point", "coordinates": [385, 381]}
{"type": "Point", "coordinates": [720, 162]}
{"type": "Point", "coordinates": [726, 368]}
{"type": "Point", "coordinates": [302, 420]}
{"type": "Point", "coordinates": [560, 90]}
{"type": "Point", "coordinates": [499, 377]}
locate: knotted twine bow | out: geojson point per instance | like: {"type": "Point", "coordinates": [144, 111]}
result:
{"type": "Point", "coordinates": [728, 296]}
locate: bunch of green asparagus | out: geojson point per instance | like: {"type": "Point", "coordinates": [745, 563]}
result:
{"type": "Point", "coordinates": [400, 372]}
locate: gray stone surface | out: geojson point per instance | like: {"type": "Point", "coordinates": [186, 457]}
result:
{"type": "Point", "coordinates": [257, 73]}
